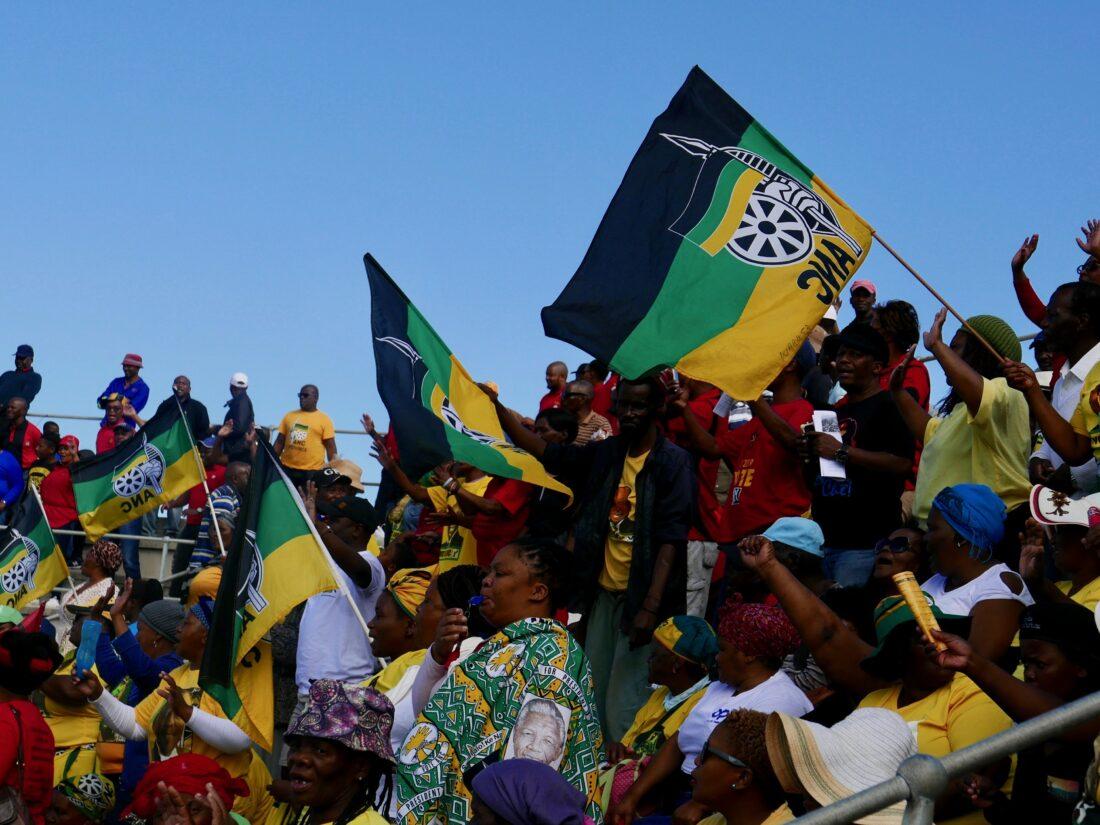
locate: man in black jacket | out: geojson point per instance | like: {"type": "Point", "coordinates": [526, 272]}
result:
{"type": "Point", "coordinates": [240, 414]}
{"type": "Point", "coordinates": [22, 382]}
{"type": "Point", "coordinates": [634, 509]}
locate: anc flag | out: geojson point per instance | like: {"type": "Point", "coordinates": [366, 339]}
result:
{"type": "Point", "coordinates": [154, 466]}
{"type": "Point", "coordinates": [436, 410]}
{"type": "Point", "coordinates": [31, 564]}
{"type": "Point", "coordinates": [276, 562]}
{"type": "Point", "coordinates": [718, 255]}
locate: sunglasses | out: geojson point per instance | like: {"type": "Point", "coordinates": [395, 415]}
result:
{"type": "Point", "coordinates": [898, 545]}
{"type": "Point", "coordinates": [1087, 266]}
{"type": "Point", "coordinates": [708, 750]}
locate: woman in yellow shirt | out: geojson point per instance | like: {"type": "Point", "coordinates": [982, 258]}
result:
{"type": "Point", "coordinates": [1079, 564]}
{"type": "Point", "coordinates": [393, 632]}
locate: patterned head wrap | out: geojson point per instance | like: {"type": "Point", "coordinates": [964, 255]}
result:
{"type": "Point", "coordinates": [203, 610]}
{"type": "Point", "coordinates": [107, 555]}
{"type": "Point", "coordinates": [92, 794]}
{"type": "Point", "coordinates": [357, 717]}
{"type": "Point", "coordinates": [188, 774]}
{"type": "Point", "coordinates": [974, 512]}
{"type": "Point", "coordinates": [408, 588]}
{"type": "Point", "coordinates": [758, 629]}
{"type": "Point", "coordinates": [689, 637]}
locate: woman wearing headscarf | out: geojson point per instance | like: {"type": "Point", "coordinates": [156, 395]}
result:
{"type": "Point", "coordinates": [683, 654]}
{"type": "Point", "coordinates": [964, 529]}
{"type": "Point", "coordinates": [27, 658]}
{"type": "Point", "coordinates": [753, 639]}
{"type": "Point", "coordinates": [82, 800]}
{"type": "Point", "coordinates": [100, 563]}
{"type": "Point", "coordinates": [527, 691]}
{"type": "Point", "coordinates": [179, 717]}
{"type": "Point", "coordinates": [981, 433]}
{"type": "Point", "coordinates": [189, 780]}
{"type": "Point", "coordinates": [394, 635]}
{"type": "Point", "coordinates": [523, 790]}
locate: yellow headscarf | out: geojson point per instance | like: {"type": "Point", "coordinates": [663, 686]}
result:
{"type": "Point", "coordinates": [408, 588]}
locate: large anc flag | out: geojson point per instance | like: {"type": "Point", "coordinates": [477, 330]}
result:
{"type": "Point", "coordinates": [718, 255]}
{"type": "Point", "coordinates": [276, 562]}
{"type": "Point", "coordinates": [436, 410]}
{"type": "Point", "coordinates": [31, 564]}
{"type": "Point", "coordinates": [154, 466]}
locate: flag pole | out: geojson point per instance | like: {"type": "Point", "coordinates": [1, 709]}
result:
{"type": "Point", "coordinates": [202, 473]}
{"type": "Point", "coordinates": [970, 330]}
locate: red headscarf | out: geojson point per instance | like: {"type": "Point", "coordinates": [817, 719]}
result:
{"type": "Point", "coordinates": [758, 629]}
{"type": "Point", "coordinates": [188, 774]}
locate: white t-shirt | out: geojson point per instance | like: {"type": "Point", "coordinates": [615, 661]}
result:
{"type": "Point", "coordinates": [989, 585]}
{"type": "Point", "coordinates": [331, 642]}
{"type": "Point", "coordinates": [777, 694]}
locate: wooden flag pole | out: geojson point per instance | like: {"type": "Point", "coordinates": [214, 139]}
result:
{"type": "Point", "coordinates": [937, 296]}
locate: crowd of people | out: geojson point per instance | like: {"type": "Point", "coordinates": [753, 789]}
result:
{"type": "Point", "coordinates": [707, 630]}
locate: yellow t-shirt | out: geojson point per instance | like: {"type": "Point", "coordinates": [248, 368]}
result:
{"type": "Point", "coordinates": [1087, 596]}
{"type": "Point", "coordinates": [457, 544]}
{"type": "Point", "coordinates": [283, 814]}
{"type": "Point", "coordinates": [204, 583]}
{"type": "Point", "coordinates": [391, 675]}
{"type": "Point", "coordinates": [653, 711]}
{"type": "Point", "coordinates": [71, 725]}
{"type": "Point", "coordinates": [949, 719]}
{"type": "Point", "coordinates": [1086, 418]}
{"type": "Point", "coordinates": [304, 434]}
{"type": "Point", "coordinates": [990, 448]}
{"type": "Point", "coordinates": [619, 548]}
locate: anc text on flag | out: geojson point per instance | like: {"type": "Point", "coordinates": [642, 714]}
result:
{"type": "Point", "coordinates": [275, 562]}
{"type": "Point", "coordinates": [31, 563]}
{"type": "Point", "coordinates": [436, 410]}
{"type": "Point", "coordinates": [718, 255]}
{"type": "Point", "coordinates": [155, 465]}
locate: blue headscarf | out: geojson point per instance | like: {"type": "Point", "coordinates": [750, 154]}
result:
{"type": "Point", "coordinates": [975, 512]}
{"type": "Point", "coordinates": [523, 790]}
{"type": "Point", "coordinates": [203, 610]}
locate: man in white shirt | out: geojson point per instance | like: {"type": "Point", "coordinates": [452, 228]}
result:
{"type": "Point", "coordinates": [1072, 327]}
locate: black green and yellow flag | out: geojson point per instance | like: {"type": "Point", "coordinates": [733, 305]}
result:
{"type": "Point", "coordinates": [154, 466]}
{"type": "Point", "coordinates": [436, 410]}
{"type": "Point", "coordinates": [31, 563]}
{"type": "Point", "coordinates": [276, 562]}
{"type": "Point", "coordinates": [718, 255]}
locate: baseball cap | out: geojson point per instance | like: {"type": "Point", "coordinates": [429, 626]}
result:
{"type": "Point", "coordinates": [24, 351]}
{"type": "Point", "coordinates": [132, 360]}
{"type": "Point", "coordinates": [238, 379]}
{"type": "Point", "coordinates": [862, 338]}
{"type": "Point", "coordinates": [358, 510]}
{"type": "Point", "coordinates": [799, 533]}
{"type": "Point", "coordinates": [863, 283]}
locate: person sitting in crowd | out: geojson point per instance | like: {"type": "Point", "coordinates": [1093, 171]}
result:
{"type": "Point", "coordinates": [899, 325]}
{"type": "Point", "coordinates": [877, 455]}
{"type": "Point", "coordinates": [189, 788]}
{"type": "Point", "coordinates": [527, 791]}
{"type": "Point", "coordinates": [59, 500]}
{"type": "Point", "coordinates": [634, 511]}
{"type": "Point", "coordinates": [179, 717]}
{"type": "Point", "coordinates": [22, 381]}
{"type": "Point", "coordinates": [1072, 557]}
{"type": "Point", "coordinates": [87, 799]}
{"type": "Point", "coordinates": [577, 397]}
{"type": "Point", "coordinates": [215, 531]}
{"type": "Point", "coordinates": [113, 418]}
{"type": "Point", "coordinates": [595, 373]}
{"type": "Point", "coordinates": [28, 657]}
{"type": "Point", "coordinates": [128, 386]}
{"type": "Point", "coordinates": [683, 655]}
{"type": "Point", "coordinates": [1059, 645]}
{"type": "Point", "coordinates": [557, 374]}
{"type": "Point", "coordinates": [981, 433]}
{"type": "Point", "coordinates": [99, 566]}
{"type": "Point", "coordinates": [394, 633]}
{"type": "Point", "coordinates": [753, 639]}
{"type": "Point", "coordinates": [194, 504]}
{"type": "Point", "coordinates": [476, 715]}
{"type": "Point", "coordinates": [306, 439]}
{"type": "Point", "coordinates": [19, 436]}
{"type": "Point", "coordinates": [46, 452]}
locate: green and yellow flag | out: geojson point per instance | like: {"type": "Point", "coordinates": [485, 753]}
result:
{"type": "Point", "coordinates": [276, 562]}
{"type": "Point", "coordinates": [31, 564]}
{"type": "Point", "coordinates": [154, 466]}
{"type": "Point", "coordinates": [718, 255]}
{"type": "Point", "coordinates": [436, 410]}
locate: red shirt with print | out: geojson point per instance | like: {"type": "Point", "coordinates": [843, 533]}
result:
{"type": "Point", "coordinates": [768, 482]}
{"type": "Point", "coordinates": [28, 452]}
{"type": "Point", "coordinates": [708, 510]}
{"type": "Point", "coordinates": [34, 735]}
{"type": "Point", "coordinates": [493, 532]}
{"type": "Point", "coordinates": [196, 497]}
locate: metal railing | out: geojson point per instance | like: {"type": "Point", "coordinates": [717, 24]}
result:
{"type": "Point", "coordinates": [922, 778]}
{"type": "Point", "coordinates": [66, 417]}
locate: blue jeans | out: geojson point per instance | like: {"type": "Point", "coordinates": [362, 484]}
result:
{"type": "Point", "coordinates": [848, 567]}
{"type": "Point", "coordinates": [131, 562]}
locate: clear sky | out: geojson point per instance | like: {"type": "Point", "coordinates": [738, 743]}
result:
{"type": "Point", "coordinates": [198, 182]}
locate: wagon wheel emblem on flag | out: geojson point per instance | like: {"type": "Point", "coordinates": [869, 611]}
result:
{"type": "Point", "coordinates": [771, 233]}
{"type": "Point", "coordinates": [146, 473]}
{"type": "Point", "coordinates": [22, 571]}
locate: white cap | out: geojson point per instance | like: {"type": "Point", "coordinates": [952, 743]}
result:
{"type": "Point", "coordinates": [239, 379]}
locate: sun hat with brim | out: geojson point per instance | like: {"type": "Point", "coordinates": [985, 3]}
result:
{"type": "Point", "coordinates": [830, 764]}
{"type": "Point", "coordinates": [894, 625]}
{"type": "Point", "coordinates": [349, 470]}
{"type": "Point", "coordinates": [360, 718]}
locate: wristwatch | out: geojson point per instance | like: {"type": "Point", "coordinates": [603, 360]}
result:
{"type": "Point", "coordinates": [841, 456]}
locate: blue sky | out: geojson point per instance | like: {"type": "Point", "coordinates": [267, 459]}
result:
{"type": "Point", "coordinates": [198, 183]}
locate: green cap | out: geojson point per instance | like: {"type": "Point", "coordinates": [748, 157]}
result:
{"type": "Point", "coordinates": [894, 623]}
{"type": "Point", "coordinates": [999, 335]}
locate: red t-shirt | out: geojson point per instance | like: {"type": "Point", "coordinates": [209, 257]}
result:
{"type": "Point", "coordinates": [196, 498]}
{"type": "Point", "coordinates": [551, 399]}
{"type": "Point", "coordinates": [37, 742]}
{"type": "Point", "coordinates": [105, 439]}
{"type": "Point", "coordinates": [31, 436]}
{"type": "Point", "coordinates": [917, 380]}
{"type": "Point", "coordinates": [58, 498]}
{"type": "Point", "coordinates": [493, 532]}
{"type": "Point", "coordinates": [708, 510]}
{"type": "Point", "coordinates": [768, 481]}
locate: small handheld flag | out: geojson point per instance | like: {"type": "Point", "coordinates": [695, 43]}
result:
{"type": "Point", "coordinates": [31, 564]}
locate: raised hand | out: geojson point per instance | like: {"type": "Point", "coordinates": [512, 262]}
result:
{"type": "Point", "coordinates": [958, 653]}
{"type": "Point", "coordinates": [1090, 243]}
{"type": "Point", "coordinates": [1020, 376]}
{"type": "Point", "coordinates": [226, 429]}
{"type": "Point", "coordinates": [897, 377]}
{"type": "Point", "coordinates": [119, 606]}
{"type": "Point", "coordinates": [309, 499]}
{"type": "Point", "coordinates": [450, 631]}
{"type": "Point", "coordinates": [494, 396]}
{"type": "Point", "coordinates": [368, 425]}
{"type": "Point", "coordinates": [1032, 551]}
{"type": "Point", "coordinates": [176, 699]}
{"type": "Point", "coordinates": [1023, 255]}
{"type": "Point", "coordinates": [757, 552]}
{"type": "Point", "coordinates": [89, 685]}
{"type": "Point", "coordinates": [935, 333]}
{"type": "Point", "coordinates": [381, 453]}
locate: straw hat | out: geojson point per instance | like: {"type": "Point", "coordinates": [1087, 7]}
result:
{"type": "Point", "coordinates": [830, 764]}
{"type": "Point", "coordinates": [349, 470]}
